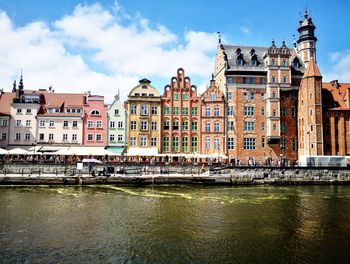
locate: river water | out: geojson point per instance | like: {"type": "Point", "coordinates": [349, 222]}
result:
{"type": "Point", "coordinates": [175, 224]}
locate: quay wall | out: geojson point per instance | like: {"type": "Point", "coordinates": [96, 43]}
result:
{"type": "Point", "coordinates": [58, 174]}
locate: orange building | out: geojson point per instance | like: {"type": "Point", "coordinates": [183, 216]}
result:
{"type": "Point", "coordinates": [181, 124]}
{"type": "Point", "coordinates": [213, 129]}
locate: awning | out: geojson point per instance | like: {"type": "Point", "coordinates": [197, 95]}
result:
{"type": "Point", "coordinates": [116, 150]}
{"type": "Point", "coordinates": [17, 151]}
{"type": "Point", "coordinates": [134, 151]}
{"type": "Point", "coordinates": [93, 151]}
{"type": "Point", "coordinates": [3, 151]}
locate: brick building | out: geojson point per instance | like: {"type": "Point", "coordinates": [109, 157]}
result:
{"type": "Point", "coordinates": [181, 123]}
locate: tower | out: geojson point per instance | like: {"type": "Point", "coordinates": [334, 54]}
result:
{"type": "Point", "coordinates": [307, 40]}
{"type": "Point", "coordinates": [310, 112]}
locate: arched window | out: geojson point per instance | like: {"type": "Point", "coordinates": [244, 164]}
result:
{"type": "Point", "coordinates": [95, 112]}
{"type": "Point", "coordinates": [296, 63]}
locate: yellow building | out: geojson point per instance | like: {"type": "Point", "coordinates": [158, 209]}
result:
{"type": "Point", "coordinates": [144, 117]}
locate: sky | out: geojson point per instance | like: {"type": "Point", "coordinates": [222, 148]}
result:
{"type": "Point", "coordinates": [106, 46]}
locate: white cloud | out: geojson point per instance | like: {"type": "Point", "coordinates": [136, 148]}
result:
{"type": "Point", "coordinates": [340, 69]}
{"type": "Point", "coordinates": [101, 50]}
{"type": "Point", "coordinates": [244, 30]}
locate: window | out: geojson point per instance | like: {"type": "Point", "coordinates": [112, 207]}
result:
{"type": "Point", "coordinates": [4, 123]}
{"type": "Point", "coordinates": [74, 137]}
{"type": "Point", "coordinates": [207, 127]}
{"type": "Point", "coordinates": [262, 126]}
{"type": "Point", "coordinates": [185, 96]}
{"type": "Point", "coordinates": [99, 124]}
{"type": "Point", "coordinates": [51, 123]}
{"type": "Point", "coordinates": [98, 137]}
{"type": "Point", "coordinates": [27, 136]}
{"type": "Point", "coordinates": [248, 111]}
{"type": "Point", "coordinates": [90, 124]}
{"type": "Point", "coordinates": [274, 94]}
{"type": "Point", "coordinates": [3, 136]}
{"type": "Point", "coordinates": [153, 142]}
{"type": "Point", "coordinates": [293, 111]}
{"type": "Point", "coordinates": [116, 111]}
{"type": "Point", "coordinates": [284, 79]}
{"type": "Point", "coordinates": [274, 127]}
{"type": "Point", "coordinates": [29, 111]}
{"type": "Point", "coordinates": [120, 138]}
{"type": "Point", "coordinates": [274, 112]}
{"type": "Point", "coordinates": [284, 63]}
{"type": "Point", "coordinates": [65, 137]}
{"type": "Point", "coordinates": [166, 110]}
{"type": "Point", "coordinates": [244, 80]}
{"type": "Point", "coordinates": [245, 96]}
{"type": "Point", "coordinates": [283, 127]}
{"type": "Point", "coordinates": [230, 143]}
{"type": "Point", "coordinates": [95, 112]}
{"type": "Point", "coordinates": [176, 144]}
{"type": "Point", "coordinates": [283, 111]}
{"type": "Point", "coordinates": [133, 125]}
{"type": "Point", "coordinates": [207, 143]}
{"type": "Point", "coordinates": [18, 123]}
{"type": "Point", "coordinates": [254, 62]}
{"type": "Point", "coordinates": [216, 111]}
{"type": "Point", "coordinates": [283, 143]}
{"type": "Point", "coordinates": [154, 110]}
{"type": "Point", "coordinates": [212, 96]}
{"type": "Point", "coordinates": [240, 62]}
{"type": "Point", "coordinates": [229, 80]}
{"type": "Point", "coordinates": [230, 111]}
{"type": "Point", "coordinates": [249, 143]}
{"type": "Point", "coordinates": [111, 137]}
{"type": "Point", "coordinates": [19, 111]}
{"type": "Point", "coordinates": [194, 125]}
{"type": "Point", "coordinates": [65, 123]}
{"type": "Point", "coordinates": [273, 79]}
{"type": "Point", "coordinates": [185, 111]}
{"type": "Point", "coordinates": [133, 109]}
{"type": "Point", "coordinates": [292, 96]}
{"type": "Point", "coordinates": [144, 125]}
{"type": "Point", "coordinates": [263, 143]}
{"type": "Point", "coordinates": [194, 144]}
{"type": "Point", "coordinates": [176, 97]}
{"type": "Point", "coordinates": [50, 137]}
{"type": "Point", "coordinates": [28, 123]}
{"type": "Point", "coordinates": [251, 80]}
{"type": "Point", "coordinates": [144, 110]}
{"type": "Point", "coordinates": [262, 96]}
{"type": "Point", "coordinates": [248, 126]}
{"type": "Point", "coordinates": [176, 125]}
{"type": "Point", "coordinates": [165, 144]}
{"type": "Point", "coordinates": [294, 144]}
{"type": "Point", "coordinates": [185, 144]}
{"type": "Point", "coordinates": [112, 124]}
{"type": "Point", "coordinates": [175, 110]}
{"type": "Point", "coordinates": [207, 111]}
{"type": "Point", "coordinates": [133, 141]}
{"type": "Point", "coordinates": [273, 62]}
{"type": "Point", "coordinates": [154, 126]}
{"type": "Point", "coordinates": [120, 124]}
{"type": "Point", "coordinates": [18, 136]}
{"type": "Point", "coordinates": [75, 123]}
{"type": "Point", "coordinates": [252, 95]}
{"type": "Point", "coordinates": [184, 125]}
{"type": "Point", "coordinates": [216, 143]}
{"type": "Point", "coordinates": [230, 125]}
{"type": "Point", "coordinates": [216, 127]}
{"type": "Point", "coordinates": [41, 136]}
{"type": "Point", "coordinates": [262, 80]}
{"type": "Point", "coordinates": [194, 111]}
{"type": "Point", "coordinates": [229, 96]}
{"type": "Point", "coordinates": [262, 111]}
{"type": "Point", "coordinates": [166, 125]}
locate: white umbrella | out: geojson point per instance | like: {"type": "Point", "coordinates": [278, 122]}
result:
{"type": "Point", "coordinates": [63, 152]}
{"type": "Point", "coordinates": [17, 151]}
{"type": "Point", "coordinates": [3, 151]}
{"type": "Point", "coordinates": [91, 161]}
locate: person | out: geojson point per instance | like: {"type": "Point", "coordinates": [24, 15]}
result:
{"type": "Point", "coordinates": [90, 168]}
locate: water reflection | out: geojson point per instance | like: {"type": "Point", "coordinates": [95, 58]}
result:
{"type": "Point", "coordinates": [175, 224]}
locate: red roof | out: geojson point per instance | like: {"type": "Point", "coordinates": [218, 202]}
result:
{"type": "Point", "coordinates": [312, 69]}
{"type": "Point", "coordinates": [336, 95]}
{"type": "Point", "coordinates": [6, 100]}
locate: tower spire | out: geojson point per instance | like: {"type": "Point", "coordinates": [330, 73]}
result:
{"type": "Point", "coordinates": [219, 37]}
{"type": "Point", "coordinates": [21, 85]}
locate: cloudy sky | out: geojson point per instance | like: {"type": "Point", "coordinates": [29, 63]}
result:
{"type": "Point", "coordinates": [103, 46]}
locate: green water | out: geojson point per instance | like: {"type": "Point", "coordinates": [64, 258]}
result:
{"type": "Point", "coordinates": [175, 224]}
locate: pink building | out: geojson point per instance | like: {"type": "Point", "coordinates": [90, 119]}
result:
{"type": "Point", "coordinates": [95, 121]}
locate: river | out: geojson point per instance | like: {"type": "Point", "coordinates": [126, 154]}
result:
{"type": "Point", "coordinates": [175, 224]}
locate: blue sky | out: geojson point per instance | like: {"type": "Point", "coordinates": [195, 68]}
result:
{"type": "Point", "coordinates": [71, 53]}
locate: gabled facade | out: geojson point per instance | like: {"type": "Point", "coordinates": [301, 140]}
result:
{"type": "Point", "coordinates": [5, 115]}
{"type": "Point", "coordinates": [117, 124]}
{"type": "Point", "coordinates": [95, 121]}
{"type": "Point", "coordinates": [181, 123]}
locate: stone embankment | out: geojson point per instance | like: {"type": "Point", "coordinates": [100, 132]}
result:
{"type": "Point", "coordinates": [135, 174]}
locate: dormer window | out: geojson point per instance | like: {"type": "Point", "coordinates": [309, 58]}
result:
{"type": "Point", "coordinates": [95, 112]}
{"type": "Point", "coordinates": [240, 60]}
{"type": "Point", "coordinates": [296, 63]}
{"type": "Point", "coordinates": [254, 60]}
